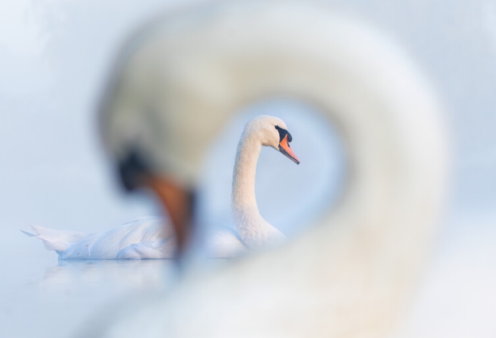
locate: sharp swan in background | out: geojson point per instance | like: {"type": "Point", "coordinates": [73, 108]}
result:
{"type": "Point", "coordinates": [148, 238]}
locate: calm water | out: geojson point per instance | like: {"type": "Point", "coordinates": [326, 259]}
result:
{"type": "Point", "coordinates": [43, 297]}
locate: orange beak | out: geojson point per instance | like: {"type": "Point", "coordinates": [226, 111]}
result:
{"type": "Point", "coordinates": [287, 151]}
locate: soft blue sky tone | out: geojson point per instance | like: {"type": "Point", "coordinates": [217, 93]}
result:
{"type": "Point", "coordinates": [55, 54]}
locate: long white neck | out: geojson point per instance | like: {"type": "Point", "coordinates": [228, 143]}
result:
{"type": "Point", "coordinates": [252, 228]}
{"type": "Point", "coordinates": [245, 169]}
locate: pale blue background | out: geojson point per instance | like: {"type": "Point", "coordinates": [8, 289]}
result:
{"type": "Point", "coordinates": [53, 58]}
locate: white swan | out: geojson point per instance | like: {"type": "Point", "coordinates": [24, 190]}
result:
{"type": "Point", "coordinates": [352, 274]}
{"type": "Point", "coordinates": [149, 238]}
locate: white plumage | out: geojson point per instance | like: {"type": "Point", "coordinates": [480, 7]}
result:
{"type": "Point", "coordinates": [352, 273]}
{"type": "Point", "coordinates": [149, 238]}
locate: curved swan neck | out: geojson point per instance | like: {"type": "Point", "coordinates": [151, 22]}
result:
{"type": "Point", "coordinates": [252, 228]}
{"type": "Point", "coordinates": [245, 168]}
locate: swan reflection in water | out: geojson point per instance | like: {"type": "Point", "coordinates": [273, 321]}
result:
{"type": "Point", "coordinates": [116, 274]}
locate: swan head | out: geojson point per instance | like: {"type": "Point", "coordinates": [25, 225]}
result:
{"type": "Point", "coordinates": [272, 132]}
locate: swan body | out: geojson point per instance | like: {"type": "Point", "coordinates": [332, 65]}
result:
{"type": "Point", "coordinates": [141, 238]}
{"type": "Point", "coordinates": [150, 238]}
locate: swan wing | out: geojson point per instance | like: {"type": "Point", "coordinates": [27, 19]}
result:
{"type": "Point", "coordinates": [149, 250]}
{"type": "Point", "coordinates": [57, 240]}
{"type": "Point", "coordinates": [150, 232]}
{"type": "Point", "coordinates": [108, 244]}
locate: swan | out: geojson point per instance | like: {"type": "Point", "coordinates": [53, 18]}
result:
{"type": "Point", "coordinates": [146, 238]}
{"type": "Point", "coordinates": [352, 274]}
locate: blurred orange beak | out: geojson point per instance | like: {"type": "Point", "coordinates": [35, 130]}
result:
{"type": "Point", "coordinates": [287, 151]}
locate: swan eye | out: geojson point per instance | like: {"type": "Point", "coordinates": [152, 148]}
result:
{"type": "Point", "coordinates": [283, 133]}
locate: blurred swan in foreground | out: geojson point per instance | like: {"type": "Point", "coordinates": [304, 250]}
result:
{"type": "Point", "coordinates": [151, 238]}
{"type": "Point", "coordinates": [353, 272]}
